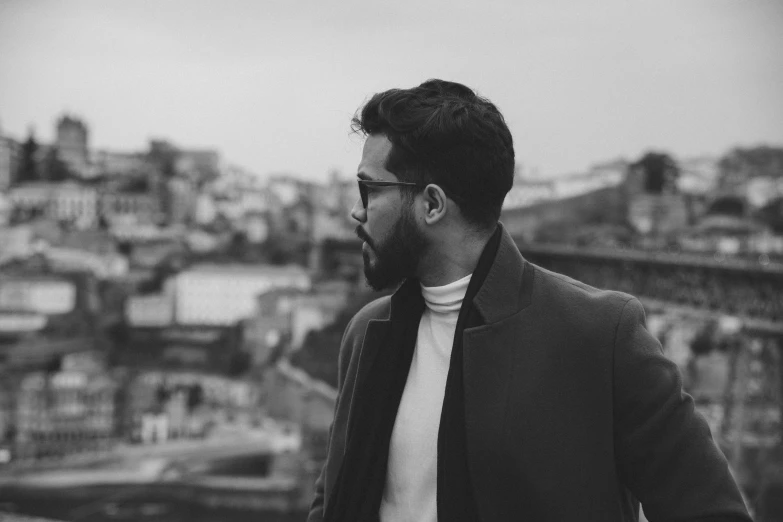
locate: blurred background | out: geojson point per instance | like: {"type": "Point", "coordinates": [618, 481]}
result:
{"type": "Point", "coordinates": [177, 262]}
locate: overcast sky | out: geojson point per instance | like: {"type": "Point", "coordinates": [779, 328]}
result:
{"type": "Point", "coordinates": [273, 84]}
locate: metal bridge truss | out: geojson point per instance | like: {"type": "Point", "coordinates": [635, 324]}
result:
{"type": "Point", "coordinates": [752, 293]}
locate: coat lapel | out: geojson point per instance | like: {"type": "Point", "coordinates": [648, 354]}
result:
{"type": "Point", "coordinates": [490, 353]}
{"type": "Point", "coordinates": [377, 338]}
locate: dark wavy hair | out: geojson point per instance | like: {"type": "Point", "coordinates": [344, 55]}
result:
{"type": "Point", "coordinates": [444, 133]}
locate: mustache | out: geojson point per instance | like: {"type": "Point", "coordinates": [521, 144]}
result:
{"type": "Point", "coordinates": [361, 234]}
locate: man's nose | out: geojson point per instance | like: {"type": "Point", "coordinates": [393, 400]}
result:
{"type": "Point", "coordinates": [358, 212]}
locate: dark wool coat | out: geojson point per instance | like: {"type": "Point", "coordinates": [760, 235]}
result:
{"type": "Point", "coordinates": [572, 411]}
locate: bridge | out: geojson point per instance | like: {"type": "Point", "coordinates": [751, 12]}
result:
{"type": "Point", "coordinates": [750, 292]}
{"type": "Point", "coordinates": [699, 284]}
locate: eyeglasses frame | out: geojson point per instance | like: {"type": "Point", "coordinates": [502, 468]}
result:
{"type": "Point", "coordinates": [365, 183]}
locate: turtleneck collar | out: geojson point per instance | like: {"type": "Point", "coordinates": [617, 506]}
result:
{"type": "Point", "coordinates": [446, 298]}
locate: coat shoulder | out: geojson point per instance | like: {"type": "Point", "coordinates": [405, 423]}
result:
{"type": "Point", "coordinates": [576, 302]}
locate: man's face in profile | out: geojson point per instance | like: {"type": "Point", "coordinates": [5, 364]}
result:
{"type": "Point", "coordinates": [393, 243]}
{"type": "Point", "coordinates": [391, 259]}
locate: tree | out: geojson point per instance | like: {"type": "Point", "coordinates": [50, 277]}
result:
{"type": "Point", "coordinates": [55, 168]}
{"type": "Point", "coordinates": [660, 172]}
{"type": "Point", "coordinates": [28, 168]}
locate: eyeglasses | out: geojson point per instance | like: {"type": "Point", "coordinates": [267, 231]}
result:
{"type": "Point", "coordinates": [364, 184]}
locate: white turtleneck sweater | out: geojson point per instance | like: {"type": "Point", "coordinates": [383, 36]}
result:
{"type": "Point", "coordinates": [411, 479]}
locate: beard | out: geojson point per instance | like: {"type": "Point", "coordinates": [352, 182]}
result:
{"type": "Point", "coordinates": [396, 256]}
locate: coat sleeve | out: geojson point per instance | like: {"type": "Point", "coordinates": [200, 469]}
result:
{"type": "Point", "coordinates": [316, 513]}
{"type": "Point", "coordinates": [665, 453]}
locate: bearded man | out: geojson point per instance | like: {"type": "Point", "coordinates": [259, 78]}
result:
{"type": "Point", "coordinates": [487, 388]}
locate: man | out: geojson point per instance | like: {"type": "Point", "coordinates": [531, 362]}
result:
{"type": "Point", "coordinates": [487, 388]}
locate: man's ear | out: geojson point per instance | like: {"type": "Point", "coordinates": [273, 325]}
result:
{"type": "Point", "coordinates": [434, 202]}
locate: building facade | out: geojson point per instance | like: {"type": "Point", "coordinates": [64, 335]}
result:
{"type": "Point", "coordinates": [225, 294]}
{"type": "Point", "coordinates": [82, 206]}
{"type": "Point", "coordinates": [72, 144]}
{"type": "Point", "coordinates": [10, 153]}
{"type": "Point", "coordinates": [68, 202]}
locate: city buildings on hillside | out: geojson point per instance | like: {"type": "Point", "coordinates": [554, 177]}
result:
{"type": "Point", "coordinates": [68, 411]}
{"type": "Point", "coordinates": [527, 192]}
{"type": "Point", "coordinates": [601, 175]}
{"type": "Point", "coordinates": [694, 213]}
{"type": "Point", "coordinates": [210, 317]}
{"type": "Point", "coordinates": [187, 404]}
{"type": "Point", "coordinates": [234, 179]}
{"type": "Point", "coordinates": [699, 175]}
{"type": "Point", "coordinates": [223, 294]}
{"type": "Point", "coordinates": [241, 199]}
{"type": "Point", "coordinates": [64, 248]}
{"type": "Point", "coordinates": [199, 318]}
{"type": "Point", "coordinates": [73, 148]}
{"type": "Point", "coordinates": [317, 309]}
{"type": "Point", "coordinates": [284, 316]}
{"type": "Point", "coordinates": [159, 185]}
{"type": "Point", "coordinates": [200, 165]}
{"type": "Point", "coordinates": [268, 330]}
{"type": "Point", "coordinates": [55, 324]}
{"type": "Point", "coordinates": [114, 164]}
{"type": "Point", "coordinates": [82, 206]}
{"type": "Point", "coordinates": [332, 218]}
{"type": "Point", "coordinates": [58, 202]}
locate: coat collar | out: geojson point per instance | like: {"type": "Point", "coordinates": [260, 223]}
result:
{"type": "Point", "coordinates": [507, 289]}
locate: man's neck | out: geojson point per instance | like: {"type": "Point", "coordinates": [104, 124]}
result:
{"type": "Point", "coordinates": [452, 258]}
